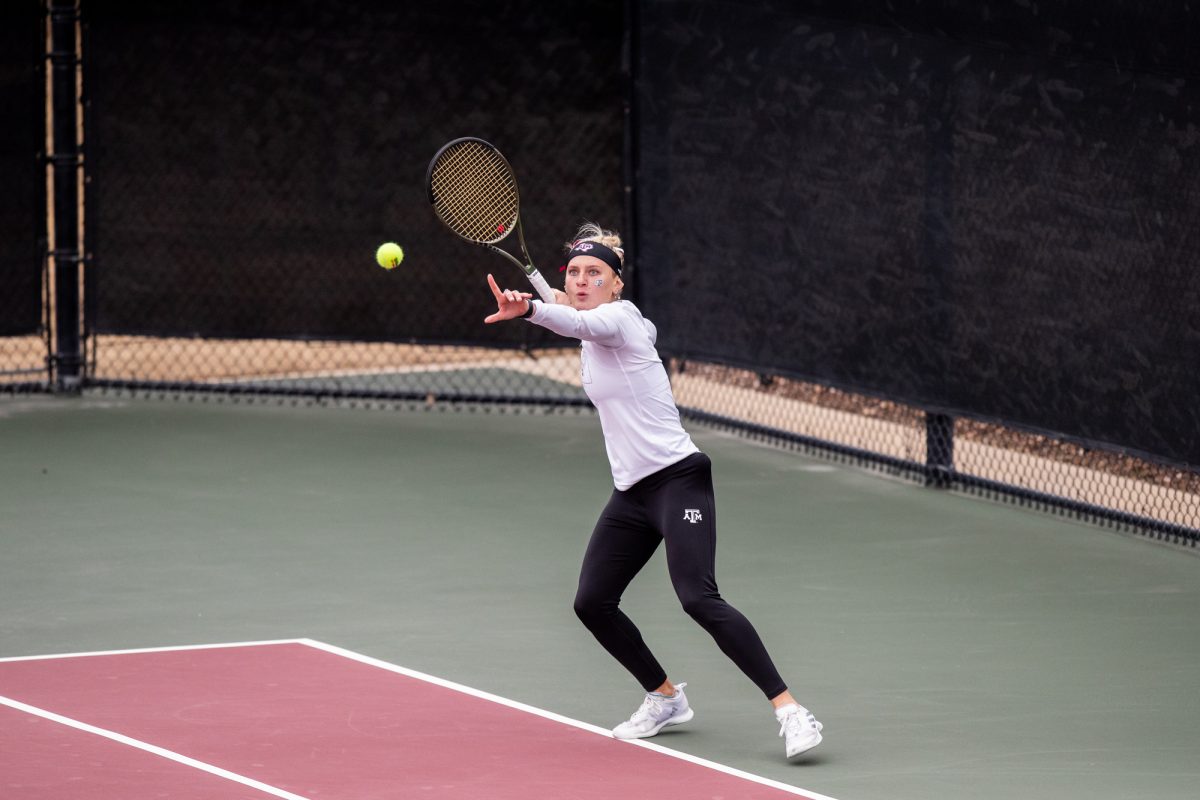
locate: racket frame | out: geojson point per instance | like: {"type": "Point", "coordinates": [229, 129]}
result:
{"type": "Point", "coordinates": [531, 272]}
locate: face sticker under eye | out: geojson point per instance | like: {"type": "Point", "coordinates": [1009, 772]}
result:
{"type": "Point", "coordinates": [599, 281]}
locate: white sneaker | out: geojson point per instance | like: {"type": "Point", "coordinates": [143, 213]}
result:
{"type": "Point", "coordinates": [656, 712]}
{"type": "Point", "coordinates": [799, 727]}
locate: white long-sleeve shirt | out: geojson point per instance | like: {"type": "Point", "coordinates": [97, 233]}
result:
{"type": "Point", "coordinates": [627, 383]}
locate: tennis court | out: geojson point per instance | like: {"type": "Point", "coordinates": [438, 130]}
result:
{"type": "Point", "coordinates": [951, 646]}
{"type": "Point", "coordinates": [317, 719]}
{"type": "Point", "coordinates": [276, 522]}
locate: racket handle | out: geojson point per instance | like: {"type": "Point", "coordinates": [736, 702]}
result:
{"type": "Point", "coordinates": [543, 289]}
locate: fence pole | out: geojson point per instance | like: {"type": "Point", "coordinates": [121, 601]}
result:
{"type": "Point", "coordinates": [939, 449]}
{"type": "Point", "coordinates": [66, 358]}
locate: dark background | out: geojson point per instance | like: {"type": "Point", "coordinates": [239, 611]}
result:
{"type": "Point", "coordinates": [985, 208]}
{"type": "Point", "coordinates": [981, 208]}
{"type": "Point", "coordinates": [22, 208]}
{"type": "Point", "coordinates": [249, 157]}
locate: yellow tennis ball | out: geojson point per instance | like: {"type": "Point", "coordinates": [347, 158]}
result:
{"type": "Point", "coordinates": [389, 255]}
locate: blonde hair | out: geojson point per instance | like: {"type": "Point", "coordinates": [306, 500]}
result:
{"type": "Point", "coordinates": [591, 232]}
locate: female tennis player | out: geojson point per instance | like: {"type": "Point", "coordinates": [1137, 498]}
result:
{"type": "Point", "coordinates": [663, 491]}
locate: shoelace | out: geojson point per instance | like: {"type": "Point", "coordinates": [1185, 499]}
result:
{"type": "Point", "coordinates": [796, 721]}
{"type": "Point", "coordinates": [652, 706]}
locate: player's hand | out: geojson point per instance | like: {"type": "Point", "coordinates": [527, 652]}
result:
{"type": "Point", "coordinates": [510, 303]}
{"type": "Point", "coordinates": [560, 298]}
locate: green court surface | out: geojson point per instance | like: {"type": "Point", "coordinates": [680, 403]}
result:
{"type": "Point", "coordinates": [952, 647]}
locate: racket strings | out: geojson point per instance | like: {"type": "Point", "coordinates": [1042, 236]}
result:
{"type": "Point", "coordinates": [475, 192]}
{"type": "Point", "coordinates": [478, 209]}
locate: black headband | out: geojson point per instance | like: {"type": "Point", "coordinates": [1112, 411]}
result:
{"type": "Point", "coordinates": [589, 248]}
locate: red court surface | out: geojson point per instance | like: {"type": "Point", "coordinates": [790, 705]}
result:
{"type": "Point", "coordinates": [305, 720]}
{"type": "Point", "coordinates": [44, 759]}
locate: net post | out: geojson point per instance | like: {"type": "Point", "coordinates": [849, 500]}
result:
{"type": "Point", "coordinates": [939, 449]}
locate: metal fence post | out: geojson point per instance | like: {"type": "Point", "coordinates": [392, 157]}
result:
{"type": "Point", "coordinates": [66, 360]}
{"type": "Point", "coordinates": [939, 449]}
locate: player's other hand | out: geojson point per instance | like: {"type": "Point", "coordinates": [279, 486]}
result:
{"type": "Point", "coordinates": [509, 302]}
{"type": "Point", "coordinates": [560, 298]}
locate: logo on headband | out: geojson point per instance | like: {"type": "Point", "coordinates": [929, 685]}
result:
{"type": "Point", "coordinates": [603, 252]}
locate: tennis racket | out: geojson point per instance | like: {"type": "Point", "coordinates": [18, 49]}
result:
{"type": "Point", "coordinates": [473, 189]}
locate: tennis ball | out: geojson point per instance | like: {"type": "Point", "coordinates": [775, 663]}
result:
{"type": "Point", "coordinates": [389, 255]}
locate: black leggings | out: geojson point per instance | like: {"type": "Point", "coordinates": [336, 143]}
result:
{"type": "Point", "coordinates": [674, 504]}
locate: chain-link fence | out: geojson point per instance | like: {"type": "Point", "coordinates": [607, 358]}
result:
{"type": "Point", "coordinates": [949, 244]}
{"type": "Point", "coordinates": [249, 158]}
{"type": "Point", "coordinates": [974, 219]}
{"type": "Point", "coordinates": [996, 459]}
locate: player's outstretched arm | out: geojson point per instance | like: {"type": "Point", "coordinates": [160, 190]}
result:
{"type": "Point", "coordinates": [510, 303]}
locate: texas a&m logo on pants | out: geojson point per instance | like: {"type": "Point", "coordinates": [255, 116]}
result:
{"type": "Point", "coordinates": [692, 515]}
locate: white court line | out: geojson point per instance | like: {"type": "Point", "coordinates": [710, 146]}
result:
{"type": "Point", "coordinates": [375, 662]}
{"type": "Point", "coordinates": [172, 649]}
{"type": "Point", "coordinates": [504, 701]}
{"type": "Point", "coordinates": [150, 748]}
